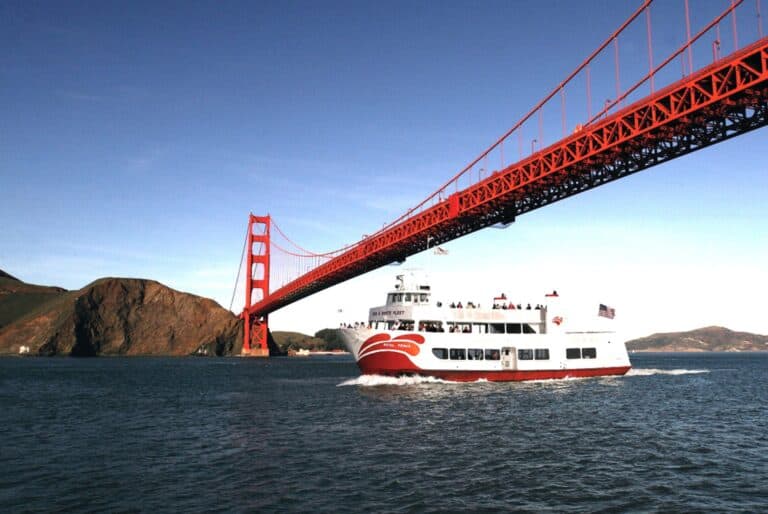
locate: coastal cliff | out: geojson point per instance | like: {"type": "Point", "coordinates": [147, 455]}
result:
{"type": "Point", "coordinates": [113, 316]}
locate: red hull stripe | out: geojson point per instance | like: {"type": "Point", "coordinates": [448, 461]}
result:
{"type": "Point", "coordinates": [396, 364]}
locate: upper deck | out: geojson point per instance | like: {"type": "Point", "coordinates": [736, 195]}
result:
{"type": "Point", "coordinates": [410, 306]}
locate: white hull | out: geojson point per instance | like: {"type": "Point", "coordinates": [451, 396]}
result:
{"type": "Point", "coordinates": [495, 357]}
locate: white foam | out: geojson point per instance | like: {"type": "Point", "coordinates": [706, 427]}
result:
{"type": "Point", "coordinates": [380, 380]}
{"type": "Point", "coordinates": [645, 372]}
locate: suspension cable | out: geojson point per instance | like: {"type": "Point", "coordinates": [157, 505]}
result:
{"type": "Point", "coordinates": [239, 268]}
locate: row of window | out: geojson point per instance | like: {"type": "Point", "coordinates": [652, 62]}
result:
{"type": "Point", "coordinates": [523, 354]}
{"type": "Point", "coordinates": [408, 297]}
{"type": "Point", "coordinates": [465, 328]}
{"type": "Point", "coordinates": [472, 354]}
{"type": "Point", "coordinates": [581, 353]}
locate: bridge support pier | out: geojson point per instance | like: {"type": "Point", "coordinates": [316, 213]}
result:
{"type": "Point", "coordinates": [255, 327]}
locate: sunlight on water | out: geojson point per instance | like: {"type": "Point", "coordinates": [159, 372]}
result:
{"type": "Point", "coordinates": [645, 372]}
{"type": "Point", "coordinates": [380, 380]}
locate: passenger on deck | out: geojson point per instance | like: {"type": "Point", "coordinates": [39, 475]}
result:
{"type": "Point", "coordinates": [529, 307]}
{"type": "Point", "coordinates": [459, 306]}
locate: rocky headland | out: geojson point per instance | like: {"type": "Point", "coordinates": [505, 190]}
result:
{"type": "Point", "coordinates": [113, 316]}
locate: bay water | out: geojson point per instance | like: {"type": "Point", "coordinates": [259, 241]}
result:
{"type": "Point", "coordinates": [679, 433]}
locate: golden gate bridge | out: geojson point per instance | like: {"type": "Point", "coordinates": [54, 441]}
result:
{"type": "Point", "coordinates": [641, 126]}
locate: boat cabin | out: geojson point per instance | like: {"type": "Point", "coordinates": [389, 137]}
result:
{"type": "Point", "coordinates": [410, 307]}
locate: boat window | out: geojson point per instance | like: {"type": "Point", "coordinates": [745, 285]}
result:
{"type": "Point", "coordinates": [464, 328]}
{"type": "Point", "coordinates": [399, 297]}
{"type": "Point", "coordinates": [588, 353]}
{"type": "Point", "coordinates": [400, 324]}
{"type": "Point", "coordinates": [458, 354]}
{"type": "Point", "coordinates": [391, 298]}
{"type": "Point", "coordinates": [479, 328]}
{"type": "Point", "coordinates": [407, 297]}
{"type": "Point", "coordinates": [440, 353]}
{"type": "Point", "coordinates": [527, 329]}
{"type": "Point", "coordinates": [496, 328]}
{"type": "Point", "coordinates": [542, 354]}
{"type": "Point", "coordinates": [525, 355]}
{"type": "Point", "coordinates": [514, 328]}
{"type": "Point", "coordinates": [573, 353]}
{"type": "Point", "coordinates": [431, 326]}
{"type": "Point", "coordinates": [475, 354]}
{"type": "Point", "coordinates": [423, 297]}
{"type": "Point", "coordinates": [491, 355]}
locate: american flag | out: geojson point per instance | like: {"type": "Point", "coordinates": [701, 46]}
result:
{"type": "Point", "coordinates": [606, 312]}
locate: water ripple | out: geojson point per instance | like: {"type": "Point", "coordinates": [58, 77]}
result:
{"type": "Point", "coordinates": [679, 433]}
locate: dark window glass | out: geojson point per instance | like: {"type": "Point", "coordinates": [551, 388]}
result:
{"type": "Point", "coordinates": [527, 329]}
{"type": "Point", "coordinates": [588, 353]}
{"type": "Point", "coordinates": [492, 355]}
{"type": "Point", "coordinates": [573, 353]}
{"type": "Point", "coordinates": [458, 354]}
{"type": "Point", "coordinates": [542, 354]}
{"type": "Point", "coordinates": [514, 328]}
{"type": "Point", "coordinates": [525, 355]}
{"type": "Point", "coordinates": [475, 354]}
{"type": "Point", "coordinates": [440, 353]}
{"type": "Point", "coordinates": [496, 328]}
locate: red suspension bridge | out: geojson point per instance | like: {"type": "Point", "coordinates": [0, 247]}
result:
{"type": "Point", "coordinates": [642, 126]}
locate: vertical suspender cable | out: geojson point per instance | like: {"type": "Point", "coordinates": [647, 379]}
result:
{"type": "Point", "coordinates": [562, 95]}
{"type": "Point", "coordinates": [616, 58]}
{"type": "Point", "coordinates": [759, 20]}
{"type": "Point", "coordinates": [650, 45]}
{"type": "Point", "coordinates": [589, 94]}
{"type": "Point", "coordinates": [733, 24]}
{"type": "Point", "coordinates": [688, 37]}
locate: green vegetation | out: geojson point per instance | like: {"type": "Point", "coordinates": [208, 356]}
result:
{"type": "Point", "coordinates": [323, 341]}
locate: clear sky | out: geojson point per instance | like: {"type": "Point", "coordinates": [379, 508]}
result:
{"type": "Point", "coordinates": [135, 138]}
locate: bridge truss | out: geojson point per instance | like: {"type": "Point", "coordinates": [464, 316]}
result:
{"type": "Point", "coordinates": [721, 101]}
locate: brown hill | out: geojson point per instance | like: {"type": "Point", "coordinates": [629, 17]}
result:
{"type": "Point", "coordinates": [17, 298]}
{"type": "Point", "coordinates": [113, 316]}
{"type": "Point", "coordinates": [709, 339]}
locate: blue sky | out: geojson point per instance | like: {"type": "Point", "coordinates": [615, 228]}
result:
{"type": "Point", "coordinates": [137, 136]}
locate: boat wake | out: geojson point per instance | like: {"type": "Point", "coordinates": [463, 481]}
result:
{"type": "Point", "coordinates": [645, 372]}
{"type": "Point", "coordinates": [381, 380]}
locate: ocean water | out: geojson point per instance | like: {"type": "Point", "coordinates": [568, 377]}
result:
{"type": "Point", "coordinates": [680, 433]}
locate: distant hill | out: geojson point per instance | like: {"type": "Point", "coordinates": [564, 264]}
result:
{"type": "Point", "coordinates": [325, 340]}
{"type": "Point", "coordinates": [709, 339]}
{"type": "Point", "coordinates": [113, 316]}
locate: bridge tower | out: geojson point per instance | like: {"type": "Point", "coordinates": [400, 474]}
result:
{"type": "Point", "coordinates": [255, 332]}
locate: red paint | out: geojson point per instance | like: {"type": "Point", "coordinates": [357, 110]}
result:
{"type": "Point", "coordinates": [396, 364]}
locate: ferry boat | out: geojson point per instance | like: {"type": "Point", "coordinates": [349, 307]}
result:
{"type": "Point", "coordinates": [412, 335]}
